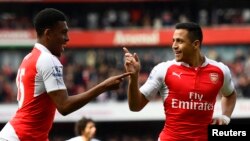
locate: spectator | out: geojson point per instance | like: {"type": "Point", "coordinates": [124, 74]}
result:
{"type": "Point", "coordinates": [85, 130]}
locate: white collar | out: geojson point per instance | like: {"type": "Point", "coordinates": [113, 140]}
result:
{"type": "Point", "coordinates": [187, 65]}
{"type": "Point", "coordinates": [41, 47]}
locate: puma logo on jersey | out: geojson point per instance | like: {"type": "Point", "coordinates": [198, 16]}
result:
{"type": "Point", "coordinates": [176, 74]}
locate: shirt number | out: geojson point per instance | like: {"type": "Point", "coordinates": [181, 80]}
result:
{"type": "Point", "coordinates": [20, 87]}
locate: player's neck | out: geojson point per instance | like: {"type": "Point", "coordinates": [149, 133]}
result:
{"type": "Point", "coordinates": [197, 60]}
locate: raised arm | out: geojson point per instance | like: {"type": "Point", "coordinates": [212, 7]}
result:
{"type": "Point", "coordinates": [136, 99]}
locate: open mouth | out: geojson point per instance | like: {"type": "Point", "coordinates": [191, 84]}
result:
{"type": "Point", "coordinates": [177, 52]}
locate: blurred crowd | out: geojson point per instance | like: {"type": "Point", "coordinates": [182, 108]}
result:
{"type": "Point", "coordinates": [92, 16]}
{"type": "Point", "coordinates": [83, 68]}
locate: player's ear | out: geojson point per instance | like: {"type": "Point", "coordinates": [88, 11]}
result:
{"type": "Point", "coordinates": [196, 44]}
{"type": "Point", "coordinates": [47, 33]}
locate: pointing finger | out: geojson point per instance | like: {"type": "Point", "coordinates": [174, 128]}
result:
{"type": "Point", "coordinates": [125, 50]}
{"type": "Point", "coordinates": [124, 75]}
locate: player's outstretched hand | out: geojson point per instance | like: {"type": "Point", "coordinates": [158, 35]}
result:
{"type": "Point", "coordinates": [113, 82]}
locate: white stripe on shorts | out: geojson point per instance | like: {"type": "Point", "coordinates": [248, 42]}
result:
{"type": "Point", "coordinates": [8, 133]}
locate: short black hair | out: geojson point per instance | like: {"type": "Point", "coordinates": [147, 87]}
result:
{"type": "Point", "coordinates": [195, 32]}
{"type": "Point", "coordinates": [81, 124]}
{"type": "Point", "coordinates": [47, 18]}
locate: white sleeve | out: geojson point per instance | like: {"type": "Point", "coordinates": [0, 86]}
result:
{"type": "Point", "coordinates": [154, 82]}
{"type": "Point", "coordinates": [228, 85]}
{"type": "Point", "coordinates": [51, 70]}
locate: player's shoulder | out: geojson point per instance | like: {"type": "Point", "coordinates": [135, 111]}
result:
{"type": "Point", "coordinates": [48, 59]}
{"type": "Point", "coordinates": [45, 54]}
{"type": "Point", "coordinates": [216, 63]}
{"type": "Point", "coordinates": [166, 64]}
{"type": "Point", "coordinates": [161, 68]}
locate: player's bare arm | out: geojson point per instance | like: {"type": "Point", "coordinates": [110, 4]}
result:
{"type": "Point", "coordinates": [227, 105]}
{"type": "Point", "coordinates": [66, 104]}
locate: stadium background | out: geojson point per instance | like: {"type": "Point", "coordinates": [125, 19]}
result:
{"type": "Point", "coordinates": [98, 31]}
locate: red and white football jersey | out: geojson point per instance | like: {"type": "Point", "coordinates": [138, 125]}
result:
{"type": "Point", "coordinates": [39, 73]}
{"type": "Point", "coordinates": [189, 95]}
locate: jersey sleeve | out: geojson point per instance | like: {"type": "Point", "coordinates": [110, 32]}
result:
{"type": "Point", "coordinates": [51, 70]}
{"type": "Point", "coordinates": [154, 82]}
{"type": "Point", "coordinates": [228, 85]}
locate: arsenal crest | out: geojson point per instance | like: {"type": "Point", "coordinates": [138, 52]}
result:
{"type": "Point", "coordinates": [214, 77]}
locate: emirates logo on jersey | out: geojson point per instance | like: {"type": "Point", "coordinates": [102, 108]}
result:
{"type": "Point", "coordinates": [214, 77]}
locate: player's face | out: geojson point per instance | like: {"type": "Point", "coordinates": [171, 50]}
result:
{"type": "Point", "coordinates": [90, 130]}
{"type": "Point", "coordinates": [182, 46]}
{"type": "Point", "coordinates": [58, 38]}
